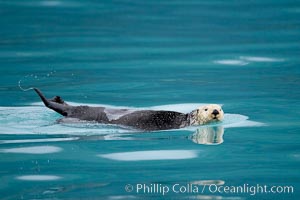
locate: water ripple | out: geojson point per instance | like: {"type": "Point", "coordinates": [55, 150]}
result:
{"type": "Point", "coordinates": [151, 155]}
{"type": "Point", "coordinates": [38, 178]}
{"type": "Point", "coordinates": [33, 150]}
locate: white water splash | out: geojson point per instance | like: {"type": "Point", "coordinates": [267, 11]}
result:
{"type": "Point", "coordinates": [24, 89]}
{"type": "Point", "coordinates": [35, 78]}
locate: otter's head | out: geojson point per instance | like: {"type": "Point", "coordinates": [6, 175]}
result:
{"type": "Point", "coordinates": [206, 114]}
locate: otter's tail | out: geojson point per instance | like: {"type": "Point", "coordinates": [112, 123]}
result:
{"type": "Point", "coordinates": [59, 107]}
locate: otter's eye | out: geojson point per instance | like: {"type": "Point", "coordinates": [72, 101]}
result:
{"type": "Point", "coordinates": [205, 109]}
{"type": "Point", "coordinates": [220, 109]}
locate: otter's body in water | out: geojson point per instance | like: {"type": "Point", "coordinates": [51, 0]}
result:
{"type": "Point", "coordinates": [147, 120]}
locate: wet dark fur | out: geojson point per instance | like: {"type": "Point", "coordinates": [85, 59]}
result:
{"type": "Point", "coordinates": [141, 119]}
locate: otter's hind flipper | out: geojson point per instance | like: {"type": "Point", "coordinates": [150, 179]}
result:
{"type": "Point", "coordinates": [56, 104]}
{"type": "Point", "coordinates": [59, 100]}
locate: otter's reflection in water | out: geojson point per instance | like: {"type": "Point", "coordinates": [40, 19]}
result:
{"type": "Point", "coordinates": [208, 135]}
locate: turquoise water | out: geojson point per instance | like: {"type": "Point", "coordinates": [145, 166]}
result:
{"type": "Point", "coordinates": [170, 55]}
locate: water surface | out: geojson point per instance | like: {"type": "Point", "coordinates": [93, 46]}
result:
{"type": "Point", "coordinates": [172, 55]}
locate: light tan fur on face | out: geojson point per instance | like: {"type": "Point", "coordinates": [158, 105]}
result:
{"type": "Point", "coordinates": [206, 114]}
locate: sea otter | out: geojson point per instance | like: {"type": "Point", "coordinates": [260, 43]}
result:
{"type": "Point", "coordinates": [147, 120]}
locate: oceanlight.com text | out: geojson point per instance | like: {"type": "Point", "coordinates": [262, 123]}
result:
{"type": "Point", "coordinates": [164, 189]}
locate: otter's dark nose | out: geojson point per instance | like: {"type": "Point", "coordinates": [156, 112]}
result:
{"type": "Point", "coordinates": [215, 112]}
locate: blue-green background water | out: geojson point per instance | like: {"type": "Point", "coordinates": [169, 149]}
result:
{"type": "Point", "coordinates": [242, 54]}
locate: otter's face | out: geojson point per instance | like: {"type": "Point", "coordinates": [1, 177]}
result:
{"type": "Point", "coordinates": [209, 113]}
